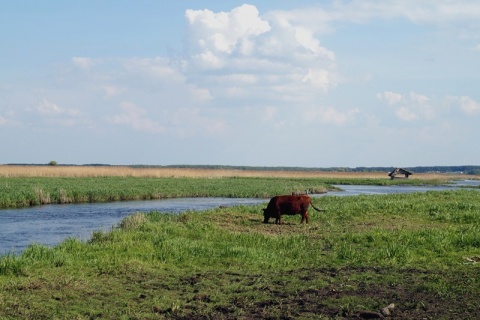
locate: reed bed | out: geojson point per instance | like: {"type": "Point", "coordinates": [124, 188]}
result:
{"type": "Point", "coordinates": [162, 172]}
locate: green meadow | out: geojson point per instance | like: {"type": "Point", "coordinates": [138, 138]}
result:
{"type": "Point", "coordinates": [419, 252]}
{"type": "Point", "coordinates": [21, 192]}
{"type": "Point", "coordinates": [29, 191]}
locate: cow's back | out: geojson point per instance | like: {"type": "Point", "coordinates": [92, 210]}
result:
{"type": "Point", "coordinates": [288, 204]}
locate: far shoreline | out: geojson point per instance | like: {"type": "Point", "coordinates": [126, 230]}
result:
{"type": "Point", "coordinates": [203, 172]}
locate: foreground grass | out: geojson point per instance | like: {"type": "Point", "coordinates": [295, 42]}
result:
{"type": "Point", "coordinates": [419, 251]}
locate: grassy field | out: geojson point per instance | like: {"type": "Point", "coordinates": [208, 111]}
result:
{"type": "Point", "coordinates": [420, 252]}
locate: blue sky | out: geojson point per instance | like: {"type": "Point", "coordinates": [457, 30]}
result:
{"type": "Point", "coordinates": [260, 83]}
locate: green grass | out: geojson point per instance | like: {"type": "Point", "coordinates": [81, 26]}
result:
{"type": "Point", "coordinates": [418, 251]}
{"type": "Point", "coordinates": [21, 192]}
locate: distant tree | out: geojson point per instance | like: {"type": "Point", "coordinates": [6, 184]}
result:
{"type": "Point", "coordinates": [472, 171]}
{"type": "Point", "coordinates": [53, 163]}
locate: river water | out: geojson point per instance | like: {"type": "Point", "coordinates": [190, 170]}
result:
{"type": "Point", "coordinates": [51, 224]}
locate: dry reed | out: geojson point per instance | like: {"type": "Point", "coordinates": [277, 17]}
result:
{"type": "Point", "coordinates": [161, 172]}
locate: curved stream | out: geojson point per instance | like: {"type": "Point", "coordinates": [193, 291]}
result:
{"type": "Point", "coordinates": [51, 224]}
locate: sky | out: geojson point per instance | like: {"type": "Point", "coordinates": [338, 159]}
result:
{"type": "Point", "coordinates": [260, 83]}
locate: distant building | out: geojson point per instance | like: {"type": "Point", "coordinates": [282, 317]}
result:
{"type": "Point", "coordinates": [399, 171]}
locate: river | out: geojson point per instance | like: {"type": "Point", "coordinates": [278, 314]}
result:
{"type": "Point", "coordinates": [51, 224]}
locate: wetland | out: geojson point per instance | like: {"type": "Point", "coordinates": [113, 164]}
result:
{"type": "Point", "coordinates": [419, 251]}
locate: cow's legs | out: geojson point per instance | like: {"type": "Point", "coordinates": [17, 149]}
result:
{"type": "Point", "coordinates": [304, 217]}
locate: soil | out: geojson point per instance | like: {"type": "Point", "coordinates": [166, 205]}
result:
{"type": "Point", "coordinates": [411, 299]}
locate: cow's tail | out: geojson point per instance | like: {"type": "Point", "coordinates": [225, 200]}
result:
{"type": "Point", "coordinates": [319, 210]}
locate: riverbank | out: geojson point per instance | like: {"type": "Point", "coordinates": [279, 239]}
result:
{"type": "Point", "coordinates": [23, 186]}
{"type": "Point", "coordinates": [16, 192]}
{"type": "Point", "coordinates": [417, 251]}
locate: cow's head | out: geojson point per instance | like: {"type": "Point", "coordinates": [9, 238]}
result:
{"type": "Point", "coordinates": [266, 216]}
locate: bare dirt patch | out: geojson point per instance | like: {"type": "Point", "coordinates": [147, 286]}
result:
{"type": "Point", "coordinates": [349, 293]}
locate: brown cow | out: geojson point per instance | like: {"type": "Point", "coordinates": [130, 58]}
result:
{"type": "Point", "coordinates": [290, 205]}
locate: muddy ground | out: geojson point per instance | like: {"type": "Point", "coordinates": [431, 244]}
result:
{"type": "Point", "coordinates": [341, 298]}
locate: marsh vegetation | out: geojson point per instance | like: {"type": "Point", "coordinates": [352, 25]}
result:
{"type": "Point", "coordinates": [419, 251]}
{"type": "Point", "coordinates": [22, 186]}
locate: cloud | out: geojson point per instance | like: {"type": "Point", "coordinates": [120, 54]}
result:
{"type": "Point", "coordinates": [193, 121]}
{"type": "Point", "coordinates": [428, 11]}
{"type": "Point", "coordinates": [83, 62]}
{"type": "Point", "coordinates": [51, 109]}
{"type": "Point", "coordinates": [430, 134]}
{"type": "Point", "coordinates": [419, 98]}
{"type": "Point", "coordinates": [111, 90]}
{"type": "Point", "coordinates": [241, 58]}
{"type": "Point", "coordinates": [301, 28]}
{"type": "Point", "coordinates": [392, 98]}
{"type": "Point", "coordinates": [268, 113]}
{"type": "Point", "coordinates": [225, 32]}
{"type": "Point", "coordinates": [466, 104]}
{"type": "Point", "coordinates": [330, 115]}
{"type": "Point", "coordinates": [409, 107]}
{"type": "Point", "coordinates": [406, 114]}
{"type": "Point", "coordinates": [319, 77]}
{"type": "Point", "coordinates": [414, 106]}
{"type": "Point", "coordinates": [216, 36]}
{"type": "Point", "coordinates": [246, 48]}
{"type": "Point", "coordinates": [136, 118]}
{"type": "Point", "coordinates": [152, 68]}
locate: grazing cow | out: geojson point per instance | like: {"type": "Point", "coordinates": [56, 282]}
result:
{"type": "Point", "coordinates": [290, 205]}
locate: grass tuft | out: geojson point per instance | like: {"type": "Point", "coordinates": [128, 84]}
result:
{"type": "Point", "coordinates": [133, 222]}
{"type": "Point", "coordinates": [12, 265]}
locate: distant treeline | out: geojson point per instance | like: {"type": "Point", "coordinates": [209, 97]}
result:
{"type": "Point", "coordinates": [419, 169]}
{"type": "Point", "coordinates": [439, 169]}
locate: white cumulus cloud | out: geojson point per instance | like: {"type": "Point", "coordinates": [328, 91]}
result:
{"type": "Point", "coordinates": [246, 55]}
{"type": "Point", "coordinates": [225, 32]}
